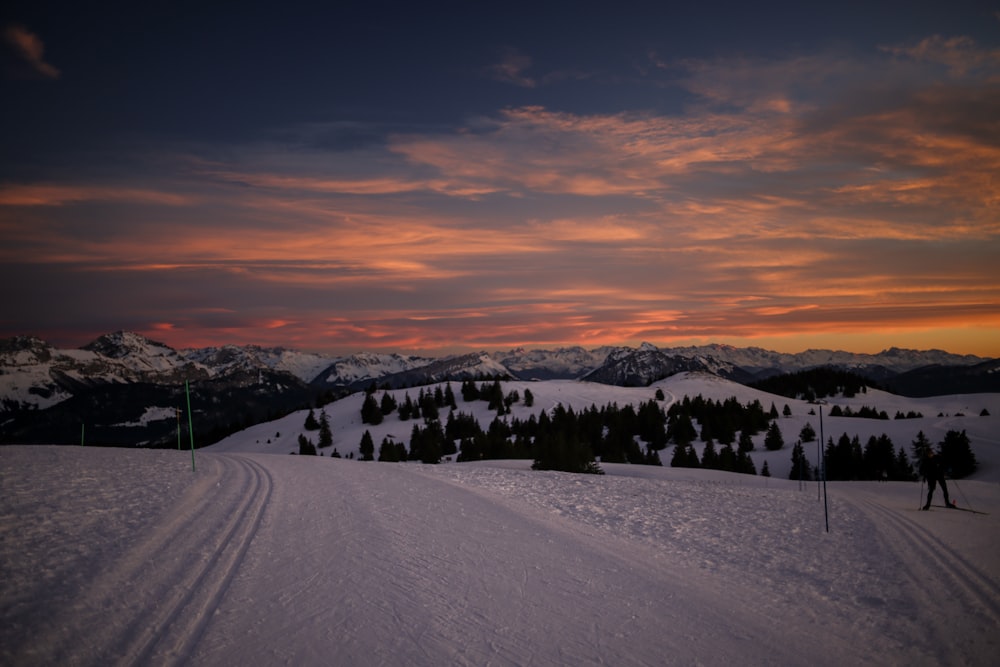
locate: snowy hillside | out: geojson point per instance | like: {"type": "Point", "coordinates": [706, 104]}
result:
{"type": "Point", "coordinates": [755, 359]}
{"type": "Point", "coordinates": [111, 556]}
{"type": "Point", "coordinates": [231, 358]}
{"type": "Point", "coordinates": [365, 367]}
{"type": "Point", "coordinates": [569, 363]}
{"type": "Point", "coordinates": [941, 414]}
{"type": "Point", "coordinates": [136, 352]}
{"type": "Point", "coordinates": [117, 379]}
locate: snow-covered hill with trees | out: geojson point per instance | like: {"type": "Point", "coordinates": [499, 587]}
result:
{"type": "Point", "coordinates": [112, 386]}
{"type": "Point", "coordinates": [934, 417]}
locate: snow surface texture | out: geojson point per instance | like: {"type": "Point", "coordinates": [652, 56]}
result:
{"type": "Point", "coordinates": [130, 557]}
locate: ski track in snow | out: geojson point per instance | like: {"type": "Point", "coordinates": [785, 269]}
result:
{"type": "Point", "coordinates": [972, 607]}
{"type": "Point", "coordinates": [162, 589]}
{"type": "Point", "coordinates": [114, 557]}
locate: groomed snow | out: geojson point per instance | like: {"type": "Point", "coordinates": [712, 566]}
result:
{"type": "Point", "coordinates": [130, 557]}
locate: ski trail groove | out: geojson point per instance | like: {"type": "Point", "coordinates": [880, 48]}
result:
{"type": "Point", "coordinates": [184, 567]}
{"type": "Point", "coordinates": [190, 617]}
{"type": "Point", "coordinates": [973, 590]}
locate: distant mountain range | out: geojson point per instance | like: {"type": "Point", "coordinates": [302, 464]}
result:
{"type": "Point", "coordinates": [46, 393]}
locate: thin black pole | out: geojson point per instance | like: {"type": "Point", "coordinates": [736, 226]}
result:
{"type": "Point", "coordinates": [826, 511]}
{"type": "Point", "coordinates": [190, 422]}
{"type": "Point", "coordinates": [965, 500]}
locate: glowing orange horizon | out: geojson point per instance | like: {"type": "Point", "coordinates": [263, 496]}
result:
{"type": "Point", "coordinates": [756, 217]}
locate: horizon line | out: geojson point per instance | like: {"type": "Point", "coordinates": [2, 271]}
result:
{"type": "Point", "coordinates": [461, 349]}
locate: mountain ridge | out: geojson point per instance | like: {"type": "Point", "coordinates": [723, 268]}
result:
{"type": "Point", "coordinates": [38, 380]}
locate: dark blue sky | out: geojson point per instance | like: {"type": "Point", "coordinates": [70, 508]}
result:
{"type": "Point", "coordinates": [229, 71]}
{"type": "Point", "coordinates": [596, 134]}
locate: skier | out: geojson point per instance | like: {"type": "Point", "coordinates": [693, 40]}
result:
{"type": "Point", "coordinates": [930, 468]}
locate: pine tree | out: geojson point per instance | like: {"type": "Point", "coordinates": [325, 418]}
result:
{"type": "Point", "coordinates": [651, 425]}
{"type": "Point", "coordinates": [388, 451]}
{"type": "Point", "coordinates": [844, 461]}
{"type": "Point", "coordinates": [920, 446]}
{"type": "Point", "coordinates": [407, 409]}
{"type": "Point", "coordinates": [727, 459]}
{"type": "Point", "coordinates": [807, 434]}
{"type": "Point", "coordinates": [773, 440]}
{"type": "Point", "coordinates": [725, 432]}
{"type": "Point", "coordinates": [416, 443]}
{"type": "Point", "coordinates": [903, 470]}
{"type": "Point", "coordinates": [562, 449]}
{"type": "Point", "coordinates": [428, 406]}
{"type": "Point", "coordinates": [367, 447]}
{"type": "Point", "coordinates": [685, 457]}
{"type": "Point", "coordinates": [878, 458]}
{"type": "Point", "coordinates": [325, 434]}
{"type": "Point", "coordinates": [744, 464]}
{"type": "Point", "coordinates": [306, 447]}
{"type": "Point", "coordinates": [681, 430]}
{"type": "Point", "coordinates": [469, 391]}
{"type": "Point", "coordinates": [801, 469]}
{"type": "Point", "coordinates": [709, 457]}
{"type": "Point", "coordinates": [311, 423]}
{"type": "Point", "coordinates": [432, 442]}
{"type": "Point", "coordinates": [957, 456]}
{"type": "Point", "coordinates": [371, 413]}
{"type": "Point", "coordinates": [388, 404]}
{"type": "Point", "coordinates": [765, 472]}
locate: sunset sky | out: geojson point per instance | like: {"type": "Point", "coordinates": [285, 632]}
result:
{"type": "Point", "coordinates": [439, 177]}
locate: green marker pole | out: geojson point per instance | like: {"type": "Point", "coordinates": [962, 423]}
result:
{"type": "Point", "coordinates": [82, 427]}
{"type": "Point", "coordinates": [187, 392]}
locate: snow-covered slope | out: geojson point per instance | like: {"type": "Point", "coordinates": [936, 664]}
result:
{"type": "Point", "coordinates": [365, 367]}
{"type": "Point", "coordinates": [755, 359]}
{"type": "Point", "coordinates": [137, 353]}
{"type": "Point", "coordinates": [231, 358]}
{"type": "Point", "coordinates": [130, 557]}
{"type": "Point", "coordinates": [645, 365]}
{"type": "Point", "coordinates": [940, 415]}
{"type": "Point", "coordinates": [569, 363]}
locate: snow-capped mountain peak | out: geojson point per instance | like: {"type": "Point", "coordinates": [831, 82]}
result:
{"type": "Point", "coordinates": [136, 351]}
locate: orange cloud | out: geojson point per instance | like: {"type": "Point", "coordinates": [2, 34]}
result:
{"type": "Point", "coordinates": [758, 213]}
{"type": "Point", "coordinates": [29, 48]}
{"type": "Point", "coordinates": [61, 195]}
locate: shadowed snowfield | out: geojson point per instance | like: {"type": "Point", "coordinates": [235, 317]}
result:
{"type": "Point", "coordinates": [129, 557]}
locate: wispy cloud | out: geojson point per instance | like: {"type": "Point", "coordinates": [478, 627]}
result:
{"type": "Point", "coordinates": [511, 69]}
{"type": "Point", "coordinates": [791, 198]}
{"type": "Point", "coordinates": [30, 51]}
{"type": "Point", "coordinates": [41, 194]}
{"type": "Point", "coordinates": [961, 54]}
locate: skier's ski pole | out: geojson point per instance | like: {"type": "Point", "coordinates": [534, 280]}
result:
{"type": "Point", "coordinates": [920, 504]}
{"type": "Point", "coordinates": [964, 499]}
